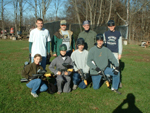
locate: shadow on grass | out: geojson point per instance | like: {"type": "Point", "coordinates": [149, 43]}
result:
{"type": "Point", "coordinates": [130, 100]}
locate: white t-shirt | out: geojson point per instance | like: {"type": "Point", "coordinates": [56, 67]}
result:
{"type": "Point", "coordinates": [66, 39]}
{"type": "Point", "coordinates": [39, 39]}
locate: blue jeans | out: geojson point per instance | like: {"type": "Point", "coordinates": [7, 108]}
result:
{"type": "Point", "coordinates": [42, 63]}
{"type": "Point", "coordinates": [37, 84]}
{"type": "Point", "coordinates": [108, 71]}
{"type": "Point", "coordinates": [77, 81]}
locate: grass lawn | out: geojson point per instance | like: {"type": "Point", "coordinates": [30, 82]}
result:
{"type": "Point", "coordinates": [16, 97]}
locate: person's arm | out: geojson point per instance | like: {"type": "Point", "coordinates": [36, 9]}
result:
{"type": "Point", "coordinates": [86, 68]}
{"type": "Point", "coordinates": [104, 40]}
{"type": "Point", "coordinates": [120, 47]}
{"type": "Point", "coordinates": [71, 64]}
{"type": "Point", "coordinates": [52, 65]}
{"type": "Point", "coordinates": [112, 58]}
{"type": "Point", "coordinates": [25, 71]}
{"type": "Point", "coordinates": [90, 59]}
{"type": "Point", "coordinates": [73, 60]}
{"type": "Point", "coordinates": [30, 46]}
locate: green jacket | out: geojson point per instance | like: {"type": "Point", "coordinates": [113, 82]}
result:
{"type": "Point", "coordinates": [89, 37]}
{"type": "Point", "coordinates": [57, 41]}
{"type": "Point", "coordinates": [30, 69]}
{"type": "Point", "coordinates": [100, 56]}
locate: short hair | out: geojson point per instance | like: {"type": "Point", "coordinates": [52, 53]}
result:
{"type": "Point", "coordinates": [38, 55]}
{"type": "Point", "coordinates": [39, 19]}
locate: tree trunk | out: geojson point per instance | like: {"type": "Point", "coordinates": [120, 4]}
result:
{"type": "Point", "coordinates": [2, 16]}
{"type": "Point", "coordinates": [109, 11]}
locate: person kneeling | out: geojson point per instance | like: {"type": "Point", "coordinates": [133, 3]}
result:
{"type": "Point", "coordinates": [35, 84]}
{"type": "Point", "coordinates": [79, 58]}
{"type": "Point", "coordinates": [98, 61]}
{"type": "Point", "coordinates": [61, 71]}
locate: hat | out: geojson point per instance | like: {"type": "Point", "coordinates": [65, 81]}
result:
{"type": "Point", "coordinates": [63, 22]}
{"type": "Point", "coordinates": [86, 22]}
{"type": "Point", "coordinates": [99, 37]}
{"type": "Point", "coordinates": [62, 47]}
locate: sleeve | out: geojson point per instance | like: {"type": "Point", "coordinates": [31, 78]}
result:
{"type": "Point", "coordinates": [112, 58]}
{"type": "Point", "coordinates": [30, 46]}
{"type": "Point", "coordinates": [25, 71]}
{"type": "Point", "coordinates": [48, 37]}
{"type": "Point", "coordinates": [54, 44]}
{"type": "Point", "coordinates": [90, 59]}
{"type": "Point", "coordinates": [86, 68]}
{"type": "Point", "coordinates": [120, 45]}
{"type": "Point", "coordinates": [104, 40]}
{"type": "Point", "coordinates": [52, 65]}
{"type": "Point", "coordinates": [31, 36]}
{"type": "Point", "coordinates": [48, 47]}
{"type": "Point", "coordinates": [73, 60]}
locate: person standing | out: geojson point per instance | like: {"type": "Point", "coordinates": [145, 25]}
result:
{"type": "Point", "coordinates": [113, 41]}
{"type": "Point", "coordinates": [63, 36]}
{"type": "Point", "coordinates": [88, 35]}
{"type": "Point", "coordinates": [39, 42]}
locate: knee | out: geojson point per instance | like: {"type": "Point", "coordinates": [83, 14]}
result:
{"type": "Point", "coordinates": [38, 81]}
{"type": "Point", "coordinates": [68, 79]}
{"type": "Point", "coordinates": [59, 79]}
{"type": "Point", "coordinates": [43, 88]}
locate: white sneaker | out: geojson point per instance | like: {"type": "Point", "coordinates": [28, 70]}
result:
{"type": "Point", "coordinates": [34, 94]}
{"type": "Point", "coordinates": [112, 89]}
{"type": "Point", "coordinates": [74, 87]}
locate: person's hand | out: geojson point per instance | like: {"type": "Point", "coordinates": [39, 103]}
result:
{"type": "Point", "coordinates": [54, 55]}
{"type": "Point", "coordinates": [65, 73]}
{"type": "Point", "coordinates": [116, 70]}
{"type": "Point", "coordinates": [119, 57]}
{"type": "Point", "coordinates": [58, 73]}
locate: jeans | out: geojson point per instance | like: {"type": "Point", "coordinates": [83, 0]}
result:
{"type": "Point", "coordinates": [77, 81]}
{"type": "Point", "coordinates": [36, 84]}
{"type": "Point", "coordinates": [108, 71]}
{"type": "Point", "coordinates": [42, 63]}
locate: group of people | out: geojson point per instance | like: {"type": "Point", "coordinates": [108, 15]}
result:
{"type": "Point", "coordinates": [92, 54]}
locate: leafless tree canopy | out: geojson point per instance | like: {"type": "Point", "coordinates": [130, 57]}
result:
{"type": "Point", "coordinates": [132, 13]}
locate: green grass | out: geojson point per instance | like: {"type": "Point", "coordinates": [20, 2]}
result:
{"type": "Point", "coordinates": [16, 97]}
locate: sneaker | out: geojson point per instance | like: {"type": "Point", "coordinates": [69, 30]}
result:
{"type": "Point", "coordinates": [116, 91]}
{"type": "Point", "coordinates": [34, 94]}
{"type": "Point", "coordinates": [74, 87]}
{"type": "Point", "coordinates": [112, 89]}
{"type": "Point", "coordinates": [59, 93]}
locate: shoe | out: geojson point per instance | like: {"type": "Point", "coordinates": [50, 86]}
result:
{"type": "Point", "coordinates": [34, 94]}
{"type": "Point", "coordinates": [74, 87]}
{"type": "Point", "coordinates": [59, 93]}
{"type": "Point", "coordinates": [116, 91]}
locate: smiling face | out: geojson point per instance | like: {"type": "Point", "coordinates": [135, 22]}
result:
{"type": "Point", "coordinates": [39, 24]}
{"type": "Point", "coordinates": [80, 47]}
{"type": "Point", "coordinates": [63, 53]}
{"type": "Point", "coordinates": [37, 60]}
{"type": "Point", "coordinates": [63, 27]}
{"type": "Point", "coordinates": [86, 27]}
{"type": "Point", "coordinates": [112, 28]}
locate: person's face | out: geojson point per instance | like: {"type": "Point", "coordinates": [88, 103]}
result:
{"type": "Point", "coordinates": [112, 28]}
{"type": "Point", "coordinates": [63, 53]}
{"type": "Point", "coordinates": [37, 60]}
{"type": "Point", "coordinates": [39, 24]}
{"type": "Point", "coordinates": [86, 27]}
{"type": "Point", "coordinates": [63, 27]}
{"type": "Point", "coordinates": [99, 43]}
{"type": "Point", "coordinates": [81, 47]}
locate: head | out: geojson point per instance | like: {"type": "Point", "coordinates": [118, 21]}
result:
{"type": "Point", "coordinates": [99, 39]}
{"type": "Point", "coordinates": [63, 49]}
{"type": "Point", "coordinates": [80, 44]}
{"type": "Point", "coordinates": [111, 25]}
{"type": "Point", "coordinates": [37, 59]}
{"type": "Point", "coordinates": [86, 25]}
{"type": "Point", "coordinates": [63, 25]}
{"type": "Point", "coordinates": [39, 23]}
